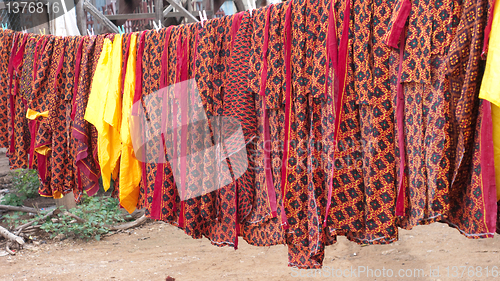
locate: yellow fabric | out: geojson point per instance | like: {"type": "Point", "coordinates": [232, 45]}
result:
{"type": "Point", "coordinates": [33, 115]}
{"type": "Point", "coordinates": [490, 89]}
{"type": "Point", "coordinates": [57, 195]}
{"type": "Point", "coordinates": [101, 107]}
{"type": "Point", "coordinates": [43, 150]}
{"type": "Point", "coordinates": [130, 168]}
{"type": "Point", "coordinates": [113, 108]}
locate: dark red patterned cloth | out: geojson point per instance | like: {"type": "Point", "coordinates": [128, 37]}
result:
{"type": "Point", "coordinates": [444, 132]}
{"type": "Point", "coordinates": [260, 227]}
{"type": "Point", "coordinates": [6, 41]}
{"type": "Point", "coordinates": [18, 129]}
{"type": "Point", "coordinates": [358, 117]}
{"type": "Point", "coordinates": [306, 189]}
{"type": "Point", "coordinates": [38, 102]}
{"type": "Point", "coordinates": [48, 71]}
{"type": "Point", "coordinates": [60, 107]}
{"type": "Point", "coordinates": [83, 134]}
{"type": "Point", "coordinates": [472, 211]}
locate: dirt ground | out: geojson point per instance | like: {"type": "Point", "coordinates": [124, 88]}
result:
{"type": "Point", "coordinates": [157, 250]}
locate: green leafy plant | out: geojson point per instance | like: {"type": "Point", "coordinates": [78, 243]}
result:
{"type": "Point", "coordinates": [14, 220]}
{"type": "Point", "coordinates": [26, 182]}
{"type": "Point", "coordinates": [97, 214]}
{"type": "Point", "coordinates": [13, 199]}
{"type": "Point", "coordinates": [25, 185]}
{"type": "Point", "coordinates": [17, 219]}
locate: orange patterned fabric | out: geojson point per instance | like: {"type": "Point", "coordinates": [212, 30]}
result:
{"type": "Point", "coordinates": [43, 141]}
{"type": "Point", "coordinates": [18, 129]}
{"type": "Point", "coordinates": [359, 117]}
{"type": "Point", "coordinates": [60, 107]}
{"type": "Point", "coordinates": [6, 40]}
{"type": "Point", "coordinates": [470, 210]}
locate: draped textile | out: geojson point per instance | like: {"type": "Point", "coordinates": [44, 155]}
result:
{"type": "Point", "coordinates": [6, 40]}
{"type": "Point", "coordinates": [60, 107]}
{"type": "Point", "coordinates": [18, 129]}
{"type": "Point", "coordinates": [472, 208]}
{"type": "Point", "coordinates": [43, 94]}
{"type": "Point", "coordinates": [488, 89]}
{"type": "Point", "coordinates": [130, 168]}
{"type": "Point", "coordinates": [103, 106]}
{"type": "Point", "coordinates": [84, 135]}
{"type": "Point", "coordinates": [357, 117]}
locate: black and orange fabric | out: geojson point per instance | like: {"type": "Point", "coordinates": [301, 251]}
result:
{"type": "Point", "coordinates": [357, 118]}
{"type": "Point", "coordinates": [6, 39]}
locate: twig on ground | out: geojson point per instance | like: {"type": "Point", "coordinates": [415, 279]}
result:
{"type": "Point", "coordinates": [128, 225]}
{"type": "Point", "coordinates": [124, 226]}
{"type": "Point", "coordinates": [26, 225]}
{"type": "Point", "coordinates": [77, 218]}
{"type": "Point", "coordinates": [135, 215]}
{"type": "Point", "coordinates": [12, 237]}
{"type": "Point", "coordinates": [19, 209]}
{"type": "Point", "coordinates": [9, 250]}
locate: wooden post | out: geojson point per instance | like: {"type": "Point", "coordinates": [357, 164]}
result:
{"type": "Point", "coordinates": [189, 17]}
{"type": "Point", "coordinates": [99, 16]}
{"type": "Point", "coordinates": [81, 17]}
{"type": "Point", "coordinates": [68, 201]}
{"type": "Point", "coordinates": [159, 11]}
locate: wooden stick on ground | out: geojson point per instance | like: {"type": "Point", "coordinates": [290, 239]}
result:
{"type": "Point", "coordinates": [21, 227]}
{"type": "Point", "coordinates": [9, 250]}
{"type": "Point", "coordinates": [128, 225]}
{"type": "Point", "coordinates": [124, 226]}
{"type": "Point", "coordinates": [18, 209]}
{"type": "Point", "coordinates": [5, 233]}
{"type": "Point", "coordinates": [77, 218]}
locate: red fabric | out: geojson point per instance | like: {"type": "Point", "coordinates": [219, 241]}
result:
{"type": "Point", "coordinates": [487, 30]}
{"type": "Point", "coordinates": [138, 72]}
{"type": "Point", "coordinates": [342, 65]}
{"type": "Point", "coordinates": [11, 98]}
{"type": "Point", "coordinates": [138, 92]}
{"type": "Point", "coordinates": [488, 165]}
{"type": "Point", "coordinates": [267, 138]}
{"type": "Point", "coordinates": [33, 127]}
{"type": "Point", "coordinates": [160, 172]}
{"type": "Point", "coordinates": [400, 107]}
{"type": "Point", "coordinates": [35, 60]}
{"type": "Point", "coordinates": [332, 58]}
{"type": "Point", "coordinates": [288, 107]}
{"type": "Point", "coordinates": [399, 24]}
{"type": "Point", "coordinates": [338, 58]}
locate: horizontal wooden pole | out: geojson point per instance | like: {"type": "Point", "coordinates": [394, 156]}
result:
{"type": "Point", "coordinates": [99, 16]}
{"type": "Point", "coordinates": [131, 16]}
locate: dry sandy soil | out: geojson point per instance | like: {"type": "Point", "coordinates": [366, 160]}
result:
{"type": "Point", "coordinates": [157, 250]}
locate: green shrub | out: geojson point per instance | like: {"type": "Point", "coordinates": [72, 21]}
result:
{"type": "Point", "coordinates": [25, 185]}
{"type": "Point", "coordinates": [98, 213]}
{"type": "Point", "coordinates": [14, 220]}
{"type": "Point", "coordinates": [13, 199]}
